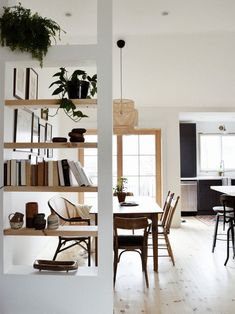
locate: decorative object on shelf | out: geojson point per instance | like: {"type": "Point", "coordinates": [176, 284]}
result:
{"type": "Point", "coordinates": [59, 139]}
{"type": "Point", "coordinates": [76, 86]}
{"type": "Point", "coordinates": [120, 189]}
{"type": "Point", "coordinates": [48, 139]}
{"type": "Point", "coordinates": [44, 114]}
{"type": "Point", "coordinates": [42, 137]}
{"type": "Point", "coordinates": [31, 84]}
{"type": "Point", "coordinates": [53, 221]}
{"type": "Point", "coordinates": [31, 209]}
{"type": "Point", "coordinates": [35, 132]}
{"type": "Point", "coordinates": [39, 221]}
{"type": "Point", "coordinates": [23, 127]}
{"type": "Point", "coordinates": [19, 83]}
{"type": "Point", "coordinates": [124, 113]}
{"type": "Point", "coordinates": [55, 265]}
{"type": "Point", "coordinates": [16, 220]}
{"type": "Point", "coordinates": [76, 135]}
{"type": "Point", "coordinates": [26, 32]}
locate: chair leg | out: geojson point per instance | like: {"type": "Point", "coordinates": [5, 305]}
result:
{"type": "Point", "coordinates": [89, 251]}
{"type": "Point", "coordinates": [144, 265]}
{"type": "Point", "coordinates": [229, 229]}
{"type": "Point", "coordinates": [115, 263]}
{"type": "Point", "coordinates": [57, 249]}
{"type": "Point", "coordinates": [169, 249]}
{"type": "Point", "coordinates": [215, 232]}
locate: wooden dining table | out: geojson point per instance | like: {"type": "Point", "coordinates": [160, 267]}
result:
{"type": "Point", "coordinates": [146, 207]}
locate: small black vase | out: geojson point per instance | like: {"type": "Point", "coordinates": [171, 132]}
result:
{"type": "Point", "coordinates": [39, 221]}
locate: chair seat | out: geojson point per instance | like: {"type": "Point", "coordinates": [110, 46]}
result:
{"type": "Point", "coordinates": [132, 240]}
{"type": "Point", "coordinates": [220, 209]}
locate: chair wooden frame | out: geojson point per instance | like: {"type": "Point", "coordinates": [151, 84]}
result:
{"type": "Point", "coordinates": [131, 242]}
{"type": "Point", "coordinates": [164, 228]}
{"type": "Point", "coordinates": [65, 218]}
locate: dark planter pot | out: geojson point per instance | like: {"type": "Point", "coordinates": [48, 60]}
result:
{"type": "Point", "coordinates": [84, 86]}
{"type": "Point", "coordinates": [73, 90]}
{"type": "Point", "coordinates": [77, 91]}
{"type": "Point", "coordinates": [121, 196]}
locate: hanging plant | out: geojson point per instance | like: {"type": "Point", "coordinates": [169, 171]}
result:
{"type": "Point", "coordinates": [23, 31]}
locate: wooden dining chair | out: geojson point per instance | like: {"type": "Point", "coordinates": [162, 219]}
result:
{"type": "Point", "coordinates": [68, 215]}
{"type": "Point", "coordinates": [131, 242]}
{"type": "Point", "coordinates": [164, 229]}
{"type": "Point", "coordinates": [166, 208]}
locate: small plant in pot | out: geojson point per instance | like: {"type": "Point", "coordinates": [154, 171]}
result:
{"type": "Point", "coordinates": [78, 86]}
{"type": "Point", "coordinates": [120, 189]}
{"type": "Point", "coordinates": [24, 31]}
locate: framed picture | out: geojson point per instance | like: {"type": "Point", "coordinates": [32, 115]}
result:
{"type": "Point", "coordinates": [48, 139]}
{"type": "Point", "coordinates": [44, 113]}
{"type": "Point", "coordinates": [31, 84]}
{"type": "Point", "coordinates": [19, 83]}
{"type": "Point", "coordinates": [22, 127]}
{"type": "Point", "coordinates": [42, 137]}
{"type": "Point", "coordinates": [35, 132]}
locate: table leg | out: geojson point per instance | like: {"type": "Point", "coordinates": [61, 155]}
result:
{"type": "Point", "coordinates": [154, 218]}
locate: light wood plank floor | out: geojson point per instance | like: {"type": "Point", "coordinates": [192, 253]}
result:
{"type": "Point", "coordinates": [199, 282]}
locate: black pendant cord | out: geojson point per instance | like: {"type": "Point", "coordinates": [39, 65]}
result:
{"type": "Point", "coordinates": [121, 78]}
{"type": "Point", "coordinates": [121, 44]}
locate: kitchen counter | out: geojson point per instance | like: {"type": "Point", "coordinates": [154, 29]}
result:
{"type": "Point", "coordinates": [207, 178]}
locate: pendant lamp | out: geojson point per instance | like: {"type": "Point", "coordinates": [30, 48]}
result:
{"type": "Point", "coordinates": [125, 116]}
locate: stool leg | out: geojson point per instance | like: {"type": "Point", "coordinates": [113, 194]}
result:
{"type": "Point", "coordinates": [215, 232]}
{"type": "Point", "coordinates": [229, 229]}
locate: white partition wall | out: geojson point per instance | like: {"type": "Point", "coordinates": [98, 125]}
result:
{"type": "Point", "coordinates": [27, 292]}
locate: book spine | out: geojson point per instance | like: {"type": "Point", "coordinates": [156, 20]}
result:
{"type": "Point", "coordinates": [56, 181]}
{"type": "Point", "coordinates": [65, 167]}
{"type": "Point", "coordinates": [60, 171]}
{"type": "Point", "coordinates": [40, 175]}
{"type": "Point", "coordinates": [5, 174]}
{"type": "Point", "coordinates": [22, 172]}
{"type": "Point", "coordinates": [75, 172]}
{"type": "Point", "coordinates": [13, 172]}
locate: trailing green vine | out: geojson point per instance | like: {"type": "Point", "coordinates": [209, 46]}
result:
{"type": "Point", "coordinates": [70, 110]}
{"type": "Point", "coordinates": [22, 30]}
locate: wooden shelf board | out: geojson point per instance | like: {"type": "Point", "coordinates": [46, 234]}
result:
{"type": "Point", "coordinates": [51, 189]}
{"type": "Point", "coordinates": [49, 145]}
{"type": "Point", "coordinates": [61, 231]}
{"type": "Point", "coordinates": [46, 103]}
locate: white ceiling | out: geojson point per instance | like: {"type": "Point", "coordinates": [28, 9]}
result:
{"type": "Point", "coordinates": [141, 16]}
{"type": "Point", "coordinates": [146, 17]}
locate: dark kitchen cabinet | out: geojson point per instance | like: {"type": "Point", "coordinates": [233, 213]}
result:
{"type": "Point", "coordinates": [188, 156]}
{"type": "Point", "coordinates": [207, 198]}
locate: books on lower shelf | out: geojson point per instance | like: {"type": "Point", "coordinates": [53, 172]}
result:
{"type": "Point", "coordinates": [45, 173]}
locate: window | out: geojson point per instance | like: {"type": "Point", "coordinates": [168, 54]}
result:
{"type": "Point", "coordinates": [217, 149]}
{"type": "Point", "coordinates": [136, 156]}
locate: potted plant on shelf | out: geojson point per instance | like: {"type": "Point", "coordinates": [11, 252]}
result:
{"type": "Point", "coordinates": [23, 31]}
{"type": "Point", "coordinates": [120, 189]}
{"type": "Point", "coordinates": [77, 86]}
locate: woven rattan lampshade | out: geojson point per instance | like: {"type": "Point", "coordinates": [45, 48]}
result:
{"type": "Point", "coordinates": [124, 113]}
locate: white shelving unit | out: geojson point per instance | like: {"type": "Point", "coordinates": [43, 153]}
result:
{"type": "Point", "coordinates": [92, 292]}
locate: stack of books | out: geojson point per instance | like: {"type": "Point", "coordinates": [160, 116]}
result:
{"type": "Point", "coordinates": [45, 173]}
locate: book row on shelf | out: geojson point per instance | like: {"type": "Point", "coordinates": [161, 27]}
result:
{"type": "Point", "coordinates": [45, 173]}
